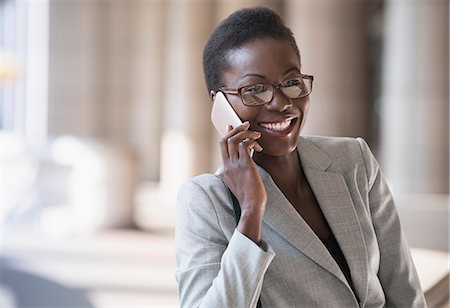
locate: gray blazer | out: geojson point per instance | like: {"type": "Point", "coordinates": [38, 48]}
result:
{"type": "Point", "coordinates": [217, 266]}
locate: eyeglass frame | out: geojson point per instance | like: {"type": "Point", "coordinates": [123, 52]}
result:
{"type": "Point", "coordinates": [237, 91]}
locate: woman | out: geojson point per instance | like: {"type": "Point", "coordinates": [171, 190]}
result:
{"type": "Point", "coordinates": [318, 226]}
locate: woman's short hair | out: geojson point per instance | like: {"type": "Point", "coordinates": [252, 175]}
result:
{"type": "Point", "coordinates": [241, 27]}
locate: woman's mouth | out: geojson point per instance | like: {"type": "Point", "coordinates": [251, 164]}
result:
{"type": "Point", "coordinates": [283, 127]}
{"type": "Point", "coordinates": [280, 126]}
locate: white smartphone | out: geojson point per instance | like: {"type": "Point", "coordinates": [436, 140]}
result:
{"type": "Point", "coordinates": [223, 114]}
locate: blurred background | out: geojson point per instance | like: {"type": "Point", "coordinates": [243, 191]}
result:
{"type": "Point", "coordinates": [104, 112]}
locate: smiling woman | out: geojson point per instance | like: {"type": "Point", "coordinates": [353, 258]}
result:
{"type": "Point", "coordinates": [316, 225]}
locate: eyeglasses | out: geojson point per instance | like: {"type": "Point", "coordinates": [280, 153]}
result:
{"type": "Point", "coordinates": [262, 93]}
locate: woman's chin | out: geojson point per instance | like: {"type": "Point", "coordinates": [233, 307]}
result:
{"type": "Point", "coordinates": [280, 149]}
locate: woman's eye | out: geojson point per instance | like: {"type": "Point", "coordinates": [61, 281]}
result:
{"type": "Point", "coordinates": [292, 82]}
{"type": "Point", "coordinates": [255, 89]}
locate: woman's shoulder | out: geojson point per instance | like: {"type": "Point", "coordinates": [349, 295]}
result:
{"type": "Point", "coordinates": [204, 199]}
{"type": "Point", "coordinates": [339, 146]}
{"type": "Point", "coordinates": [335, 143]}
{"type": "Point", "coordinates": [346, 152]}
{"type": "Point", "coordinates": [206, 181]}
{"type": "Point", "coordinates": [204, 186]}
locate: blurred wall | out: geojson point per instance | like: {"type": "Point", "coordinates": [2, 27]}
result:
{"type": "Point", "coordinates": [130, 73]}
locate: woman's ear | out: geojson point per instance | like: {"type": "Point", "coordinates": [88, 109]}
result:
{"type": "Point", "coordinates": [212, 94]}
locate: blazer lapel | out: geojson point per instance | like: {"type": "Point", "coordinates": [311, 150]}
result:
{"type": "Point", "coordinates": [296, 230]}
{"type": "Point", "coordinates": [331, 192]}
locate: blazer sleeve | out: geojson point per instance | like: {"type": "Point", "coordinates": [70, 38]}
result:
{"type": "Point", "coordinates": [212, 271]}
{"type": "Point", "coordinates": [397, 273]}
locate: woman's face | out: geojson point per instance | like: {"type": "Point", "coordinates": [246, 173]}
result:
{"type": "Point", "coordinates": [268, 61]}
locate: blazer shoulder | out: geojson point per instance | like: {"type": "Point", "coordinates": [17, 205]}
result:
{"type": "Point", "coordinates": [208, 182]}
{"type": "Point", "coordinates": [338, 147]}
{"type": "Point", "coordinates": [205, 198]}
{"type": "Point", "coordinates": [205, 184]}
{"type": "Point", "coordinates": [348, 153]}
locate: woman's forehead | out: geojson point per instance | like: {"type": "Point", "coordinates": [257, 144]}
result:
{"type": "Point", "coordinates": [270, 58]}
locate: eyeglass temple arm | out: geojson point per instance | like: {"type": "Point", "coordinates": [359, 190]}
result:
{"type": "Point", "coordinates": [307, 76]}
{"type": "Point", "coordinates": [229, 90]}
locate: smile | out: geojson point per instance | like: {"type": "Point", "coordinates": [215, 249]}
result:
{"type": "Point", "coordinates": [278, 126]}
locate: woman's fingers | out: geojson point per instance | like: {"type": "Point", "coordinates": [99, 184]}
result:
{"type": "Point", "coordinates": [235, 130]}
{"type": "Point", "coordinates": [230, 143]}
{"type": "Point", "coordinates": [247, 146]}
{"type": "Point", "coordinates": [235, 141]}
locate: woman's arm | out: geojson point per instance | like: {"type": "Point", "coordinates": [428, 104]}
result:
{"type": "Point", "coordinates": [212, 272]}
{"type": "Point", "coordinates": [397, 273]}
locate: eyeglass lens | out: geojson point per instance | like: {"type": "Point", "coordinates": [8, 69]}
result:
{"type": "Point", "coordinates": [259, 94]}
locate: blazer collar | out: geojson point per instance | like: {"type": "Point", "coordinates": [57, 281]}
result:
{"type": "Point", "coordinates": [311, 156]}
{"type": "Point", "coordinates": [337, 206]}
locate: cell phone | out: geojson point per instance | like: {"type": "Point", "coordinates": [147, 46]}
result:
{"type": "Point", "coordinates": [223, 114]}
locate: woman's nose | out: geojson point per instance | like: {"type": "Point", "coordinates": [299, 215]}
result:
{"type": "Point", "coordinates": [279, 101]}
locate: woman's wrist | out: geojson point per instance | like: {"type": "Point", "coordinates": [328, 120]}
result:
{"type": "Point", "coordinates": [250, 225]}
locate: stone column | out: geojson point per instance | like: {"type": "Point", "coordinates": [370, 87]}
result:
{"type": "Point", "coordinates": [115, 91]}
{"type": "Point", "coordinates": [37, 73]}
{"type": "Point", "coordinates": [415, 113]}
{"type": "Point", "coordinates": [74, 70]}
{"type": "Point", "coordinates": [147, 21]}
{"type": "Point", "coordinates": [333, 47]}
{"type": "Point", "coordinates": [187, 130]}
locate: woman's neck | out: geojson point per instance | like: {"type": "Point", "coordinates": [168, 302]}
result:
{"type": "Point", "coordinates": [286, 171]}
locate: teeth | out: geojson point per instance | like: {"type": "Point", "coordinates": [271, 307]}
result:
{"type": "Point", "coordinates": [277, 126]}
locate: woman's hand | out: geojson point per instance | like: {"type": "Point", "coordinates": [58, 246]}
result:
{"type": "Point", "coordinates": [242, 178]}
